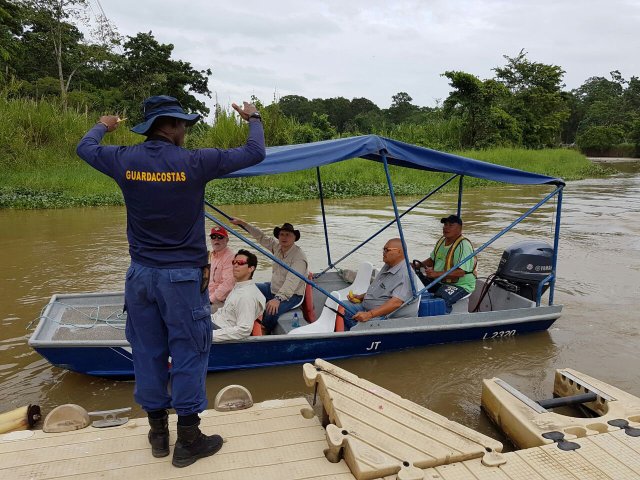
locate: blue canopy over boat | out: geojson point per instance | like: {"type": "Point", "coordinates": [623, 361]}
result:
{"type": "Point", "coordinates": [291, 158]}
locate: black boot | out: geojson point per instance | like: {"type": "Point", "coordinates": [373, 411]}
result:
{"type": "Point", "coordinates": [192, 444]}
{"type": "Point", "coordinates": [159, 435]}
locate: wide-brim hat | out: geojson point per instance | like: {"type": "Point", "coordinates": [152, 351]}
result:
{"type": "Point", "coordinates": [162, 106]}
{"type": "Point", "coordinates": [287, 227]}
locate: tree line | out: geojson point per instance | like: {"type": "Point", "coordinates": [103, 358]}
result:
{"type": "Point", "coordinates": [43, 54]}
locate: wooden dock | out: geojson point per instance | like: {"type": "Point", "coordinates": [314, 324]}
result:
{"type": "Point", "coordinates": [366, 433]}
{"type": "Point", "coordinates": [271, 440]}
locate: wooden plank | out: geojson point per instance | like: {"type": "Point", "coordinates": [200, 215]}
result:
{"type": "Point", "coordinates": [379, 400]}
{"type": "Point", "coordinates": [415, 442]}
{"type": "Point", "coordinates": [139, 426]}
{"type": "Point", "coordinates": [478, 470]}
{"type": "Point", "coordinates": [631, 442]}
{"type": "Point", "coordinates": [546, 466]}
{"type": "Point", "coordinates": [290, 408]}
{"type": "Point", "coordinates": [575, 461]}
{"type": "Point", "coordinates": [609, 463]}
{"type": "Point", "coordinates": [453, 471]}
{"type": "Point", "coordinates": [437, 429]}
{"type": "Point", "coordinates": [147, 467]}
{"type": "Point", "coordinates": [234, 443]}
{"type": "Point", "coordinates": [518, 469]}
{"type": "Point", "coordinates": [620, 447]}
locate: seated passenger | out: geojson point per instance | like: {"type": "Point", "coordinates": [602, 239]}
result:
{"type": "Point", "coordinates": [285, 290]}
{"type": "Point", "coordinates": [390, 289]}
{"type": "Point", "coordinates": [220, 259]}
{"type": "Point", "coordinates": [448, 251]}
{"type": "Point", "coordinates": [234, 320]}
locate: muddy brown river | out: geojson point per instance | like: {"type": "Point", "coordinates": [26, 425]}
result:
{"type": "Point", "coordinates": [85, 250]}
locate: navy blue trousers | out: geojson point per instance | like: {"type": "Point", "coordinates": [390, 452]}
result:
{"type": "Point", "coordinates": [449, 293]}
{"type": "Point", "coordinates": [270, 321]}
{"type": "Point", "coordinates": [167, 316]}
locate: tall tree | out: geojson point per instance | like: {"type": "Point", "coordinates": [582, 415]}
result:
{"type": "Point", "coordinates": [296, 106]}
{"type": "Point", "coordinates": [54, 18]}
{"type": "Point", "coordinates": [148, 69]}
{"type": "Point", "coordinates": [536, 101]}
{"type": "Point", "coordinates": [10, 30]}
{"type": "Point", "coordinates": [608, 111]}
{"type": "Point", "coordinates": [477, 103]}
{"type": "Point", "coordinates": [401, 109]}
{"type": "Point", "coordinates": [52, 28]}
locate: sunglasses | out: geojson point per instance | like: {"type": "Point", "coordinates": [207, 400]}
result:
{"type": "Point", "coordinates": [239, 262]}
{"type": "Point", "coordinates": [217, 237]}
{"type": "Point", "coordinates": [386, 250]}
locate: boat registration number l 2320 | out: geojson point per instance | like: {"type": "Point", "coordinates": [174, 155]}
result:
{"type": "Point", "coordinates": [500, 334]}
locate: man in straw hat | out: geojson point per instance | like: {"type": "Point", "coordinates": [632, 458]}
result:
{"type": "Point", "coordinates": [285, 290]}
{"type": "Point", "coordinates": [166, 285]}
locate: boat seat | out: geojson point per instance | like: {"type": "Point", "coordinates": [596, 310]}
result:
{"type": "Point", "coordinates": [361, 282]}
{"type": "Point", "coordinates": [325, 323]}
{"type": "Point", "coordinates": [462, 305]}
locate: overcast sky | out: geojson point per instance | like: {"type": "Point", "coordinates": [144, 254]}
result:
{"type": "Point", "coordinates": [374, 49]}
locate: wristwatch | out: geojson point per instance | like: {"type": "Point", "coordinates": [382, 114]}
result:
{"type": "Point", "coordinates": [279, 298]}
{"type": "Point", "coordinates": [255, 115]}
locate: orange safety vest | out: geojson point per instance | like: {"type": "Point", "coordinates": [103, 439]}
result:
{"type": "Point", "coordinates": [448, 262]}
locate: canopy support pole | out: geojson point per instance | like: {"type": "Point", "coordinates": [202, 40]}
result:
{"type": "Point", "coordinates": [278, 261]}
{"type": "Point", "coordinates": [556, 243]}
{"type": "Point", "coordinates": [460, 196]}
{"type": "Point", "coordinates": [486, 244]}
{"type": "Point", "coordinates": [324, 218]}
{"type": "Point", "coordinates": [395, 211]}
{"type": "Point", "coordinates": [221, 213]}
{"type": "Point", "coordinates": [360, 245]}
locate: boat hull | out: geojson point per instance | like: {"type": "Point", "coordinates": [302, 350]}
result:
{"type": "Point", "coordinates": [115, 361]}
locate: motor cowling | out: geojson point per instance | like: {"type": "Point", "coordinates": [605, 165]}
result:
{"type": "Point", "coordinates": [523, 266]}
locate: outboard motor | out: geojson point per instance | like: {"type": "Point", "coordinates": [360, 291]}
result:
{"type": "Point", "coordinates": [523, 266]}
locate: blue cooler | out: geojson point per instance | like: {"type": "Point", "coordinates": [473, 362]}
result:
{"type": "Point", "coordinates": [430, 306]}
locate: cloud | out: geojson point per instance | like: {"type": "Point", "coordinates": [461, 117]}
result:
{"type": "Point", "coordinates": [377, 48]}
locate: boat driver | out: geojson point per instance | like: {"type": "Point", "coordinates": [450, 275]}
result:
{"type": "Point", "coordinates": [285, 290]}
{"type": "Point", "coordinates": [448, 251]}
{"type": "Point", "coordinates": [388, 291]}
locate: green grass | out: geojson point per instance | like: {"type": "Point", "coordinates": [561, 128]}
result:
{"type": "Point", "coordinates": [41, 170]}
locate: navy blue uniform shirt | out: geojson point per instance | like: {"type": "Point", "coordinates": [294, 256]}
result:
{"type": "Point", "coordinates": [163, 188]}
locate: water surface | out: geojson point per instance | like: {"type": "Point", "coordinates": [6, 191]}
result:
{"type": "Point", "coordinates": [85, 250]}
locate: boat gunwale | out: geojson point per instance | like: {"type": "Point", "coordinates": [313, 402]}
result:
{"type": "Point", "coordinates": [547, 312]}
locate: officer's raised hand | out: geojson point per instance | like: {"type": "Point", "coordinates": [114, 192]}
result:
{"type": "Point", "coordinates": [247, 111]}
{"type": "Point", "coordinates": [110, 121]}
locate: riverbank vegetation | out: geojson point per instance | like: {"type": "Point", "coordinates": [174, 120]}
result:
{"type": "Point", "coordinates": [55, 82]}
{"type": "Point", "coordinates": [41, 170]}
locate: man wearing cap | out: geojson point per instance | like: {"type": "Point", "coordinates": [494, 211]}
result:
{"type": "Point", "coordinates": [245, 303]}
{"type": "Point", "coordinates": [221, 256]}
{"type": "Point", "coordinates": [285, 290]}
{"type": "Point", "coordinates": [448, 251]}
{"type": "Point", "coordinates": [166, 295]}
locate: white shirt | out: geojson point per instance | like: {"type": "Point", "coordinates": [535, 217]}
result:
{"type": "Point", "coordinates": [243, 305]}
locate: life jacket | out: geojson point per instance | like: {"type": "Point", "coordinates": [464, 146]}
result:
{"type": "Point", "coordinates": [448, 263]}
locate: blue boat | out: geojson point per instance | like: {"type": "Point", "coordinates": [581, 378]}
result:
{"type": "Point", "coordinates": [85, 332]}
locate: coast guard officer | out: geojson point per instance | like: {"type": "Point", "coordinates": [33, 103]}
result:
{"type": "Point", "coordinates": [166, 285]}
